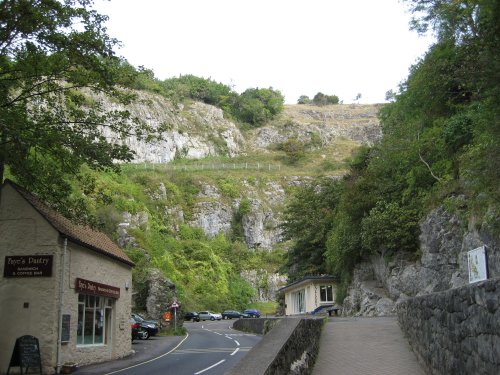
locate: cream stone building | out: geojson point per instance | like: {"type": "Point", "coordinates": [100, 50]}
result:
{"type": "Point", "coordinates": [309, 294]}
{"type": "Point", "coordinates": [66, 284]}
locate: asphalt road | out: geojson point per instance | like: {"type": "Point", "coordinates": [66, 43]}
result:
{"type": "Point", "coordinates": [210, 348]}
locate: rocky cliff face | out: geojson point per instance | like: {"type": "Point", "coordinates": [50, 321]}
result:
{"type": "Point", "coordinates": [378, 283]}
{"type": "Point", "coordinates": [197, 130]}
{"type": "Point", "coordinates": [358, 123]}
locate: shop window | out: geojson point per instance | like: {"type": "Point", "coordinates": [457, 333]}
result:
{"type": "Point", "coordinates": [326, 293]}
{"type": "Point", "coordinates": [94, 320]}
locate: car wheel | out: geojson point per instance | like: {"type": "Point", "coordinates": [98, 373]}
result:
{"type": "Point", "coordinates": [212, 318]}
{"type": "Point", "coordinates": [145, 335]}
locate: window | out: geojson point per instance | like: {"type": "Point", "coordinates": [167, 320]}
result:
{"type": "Point", "coordinates": [94, 317]}
{"type": "Point", "coordinates": [326, 293]}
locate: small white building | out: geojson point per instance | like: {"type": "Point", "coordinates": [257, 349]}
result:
{"type": "Point", "coordinates": [308, 294]}
{"type": "Point", "coordinates": [65, 284]}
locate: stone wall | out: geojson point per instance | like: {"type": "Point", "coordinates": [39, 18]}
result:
{"type": "Point", "coordinates": [290, 347]}
{"type": "Point", "coordinates": [456, 331]}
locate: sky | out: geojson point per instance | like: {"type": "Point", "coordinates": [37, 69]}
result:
{"type": "Point", "coordinates": [299, 47]}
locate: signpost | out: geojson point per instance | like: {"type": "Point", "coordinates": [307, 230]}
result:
{"type": "Point", "coordinates": [175, 306]}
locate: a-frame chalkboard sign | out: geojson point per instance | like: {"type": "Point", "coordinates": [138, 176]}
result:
{"type": "Point", "coordinates": [26, 354]}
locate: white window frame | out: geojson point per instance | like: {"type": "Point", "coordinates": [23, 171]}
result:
{"type": "Point", "coordinates": [102, 308]}
{"type": "Point", "coordinates": [328, 291]}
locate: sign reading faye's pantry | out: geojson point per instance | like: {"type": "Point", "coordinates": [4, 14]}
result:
{"type": "Point", "coordinates": [28, 266]}
{"type": "Point", "coordinates": [98, 289]}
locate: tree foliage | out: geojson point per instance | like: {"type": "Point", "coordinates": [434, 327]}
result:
{"type": "Point", "coordinates": [304, 99]}
{"type": "Point", "coordinates": [308, 218]}
{"type": "Point", "coordinates": [321, 99]}
{"type": "Point", "coordinates": [256, 106]}
{"type": "Point", "coordinates": [53, 53]}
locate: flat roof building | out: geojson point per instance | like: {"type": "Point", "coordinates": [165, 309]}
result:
{"type": "Point", "coordinates": [309, 294]}
{"type": "Point", "coordinates": [66, 284]}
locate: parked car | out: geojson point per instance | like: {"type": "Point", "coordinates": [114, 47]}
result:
{"type": "Point", "coordinates": [208, 315]}
{"type": "Point", "coordinates": [192, 315]}
{"type": "Point", "coordinates": [253, 313]}
{"type": "Point", "coordinates": [233, 314]}
{"type": "Point", "coordinates": [150, 327]}
{"type": "Point", "coordinates": [137, 331]}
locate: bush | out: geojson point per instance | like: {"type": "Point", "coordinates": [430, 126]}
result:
{"type": "Point", "coordinates": [321, 99]}
{"type": "Point", "coordinates": [294, 150]}
{"type": "Point", "coordinates": [257, 106]}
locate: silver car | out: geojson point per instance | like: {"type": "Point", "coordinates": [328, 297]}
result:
{"type": "Point", "coordinates": [208, 315]}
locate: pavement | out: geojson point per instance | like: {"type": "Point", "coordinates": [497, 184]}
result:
{"type": "Point", "coordinates": [143, 350]}
{"type": "Point", "coordinates": [359, 346]}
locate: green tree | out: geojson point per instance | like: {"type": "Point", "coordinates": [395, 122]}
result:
{"type": "Point", "coordinates": [256, 106]}
{"type": "Point", "coordinates": [321, 99]}
{"type": "Point", "coordinates": [202, 89]}
{"type": "Point", "coordinates": [56, 57]}
{"type": "Point", "coordinates": [308, 219]}
{"type": "Point", "coordinates": [304, 99]}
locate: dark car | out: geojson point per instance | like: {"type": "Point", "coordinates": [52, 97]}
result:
{"type": "Point", "coordinates": [233, 314]}
{"type": "Point", "coordinates": [254, 313]}
{"type": "Point", "coordinates": [192, 315]}
{"type": "Point", "coordinates": [137, 332]}
{"type": "Point", "coordinates": [150, 327]}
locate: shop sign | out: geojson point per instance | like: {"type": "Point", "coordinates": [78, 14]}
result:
{"type": "Point", "coordinates": [28, 266]}
{"type": "Point", "coordinates": [91, 287]}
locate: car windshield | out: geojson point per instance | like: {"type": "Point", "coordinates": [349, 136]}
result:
{"type": "Point", "coordinates": [138, 317]}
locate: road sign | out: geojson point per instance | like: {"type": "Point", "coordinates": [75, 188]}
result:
{"type": "Point", "coordinates": [175, 305]}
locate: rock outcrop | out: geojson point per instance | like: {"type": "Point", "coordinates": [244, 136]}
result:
{"type": "Point", "coordinates": [195, 131]}
{"type": "Point", "coordinates": [443, 265]}
{"type": "Point", "coordinates": [161, 294]}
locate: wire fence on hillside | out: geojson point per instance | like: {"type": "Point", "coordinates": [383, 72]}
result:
{"type": "Point", "coordinates": [207, 166]}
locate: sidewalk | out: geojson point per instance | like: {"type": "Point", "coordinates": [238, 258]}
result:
{"type": "Point", "coordinates": [144, 350]}
{"type": "Point", "coordinates": [358, 346]}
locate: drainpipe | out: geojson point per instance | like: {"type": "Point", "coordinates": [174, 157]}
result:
{"type": "Point", "coordinates": [61, 292]}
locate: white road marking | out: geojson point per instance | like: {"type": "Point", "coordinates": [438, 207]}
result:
{"type": "Point", "coordinates": [235, 351]}
{"type": "Point", "coordinates": [151, 360]}
{"type": "Point", "coordinates": [208, 368]}
{"type": "Point", "coordinates": [237, 343]}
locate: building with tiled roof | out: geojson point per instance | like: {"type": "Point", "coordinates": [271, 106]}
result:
{"type": "Point", "coordinates": [66, 284]}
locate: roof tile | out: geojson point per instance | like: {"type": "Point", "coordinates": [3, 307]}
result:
{"type": "Point", "coordinates": [83, 235]}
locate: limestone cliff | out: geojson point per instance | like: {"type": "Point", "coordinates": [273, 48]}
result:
{"type": "Point", "coordinates": [379, 283]}
{"type": "Point", "coordinates": [198, 130]}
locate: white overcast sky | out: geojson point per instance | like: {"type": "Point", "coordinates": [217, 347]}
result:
{"type": "Point", "coordinates": [299, 47]}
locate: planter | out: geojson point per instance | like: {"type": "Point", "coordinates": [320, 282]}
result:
{"type": "Point", "coordinates": [68, 368]}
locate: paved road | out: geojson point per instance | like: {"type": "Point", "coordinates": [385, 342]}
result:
{"type": "Point", "coordinates": [359, 346]}
{"type": "Point", "coordinates": [211, 348]}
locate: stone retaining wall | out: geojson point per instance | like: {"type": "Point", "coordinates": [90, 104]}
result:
{"type": "Point", "coordinates": [290, 347]}
{"type": "Point", "coordinates": [456, 331]}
